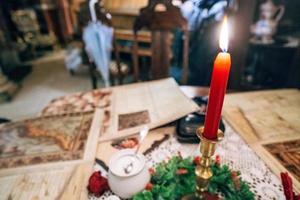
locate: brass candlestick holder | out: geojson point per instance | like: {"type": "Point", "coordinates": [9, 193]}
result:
{"type": "Point", "coordinates": [203, 170]}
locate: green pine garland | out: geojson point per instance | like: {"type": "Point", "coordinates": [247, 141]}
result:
{"type": "Point", "coordinates": [176, 178]}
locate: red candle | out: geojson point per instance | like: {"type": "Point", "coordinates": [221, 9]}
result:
{"type": "Point", "coordinates": [218, 86]}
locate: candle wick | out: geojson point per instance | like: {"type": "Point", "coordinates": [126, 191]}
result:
{"type": "Point", "coordinates": [224, 50]}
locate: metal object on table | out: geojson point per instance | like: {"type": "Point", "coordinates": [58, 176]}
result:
{"type": "Point", "coordinates": [203, 170]}
{"type": "Point", "coordinates": [186, 128]}
{"type": "Point", "coordinates": [143, 134]}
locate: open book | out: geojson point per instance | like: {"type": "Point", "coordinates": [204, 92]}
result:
{"type": "Point", "coordinates": [153, 103]}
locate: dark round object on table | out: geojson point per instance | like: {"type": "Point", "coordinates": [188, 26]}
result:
{"type": "Point", "coordinates": [187, 126]}
{"type": "Point", "coordinates": [4, 120]}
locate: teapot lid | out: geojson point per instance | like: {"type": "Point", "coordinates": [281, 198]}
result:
{"type": "Point", "coordinates": [122, 159]}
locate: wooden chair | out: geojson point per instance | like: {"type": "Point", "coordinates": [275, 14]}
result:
{"type": "Point", "coordinates": [161, 17]}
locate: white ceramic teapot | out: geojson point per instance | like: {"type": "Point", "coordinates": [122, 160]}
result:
{"type": "Point", "coordinates": [266, 26]}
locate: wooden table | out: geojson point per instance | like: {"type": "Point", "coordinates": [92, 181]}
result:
{"type": "Point", "coordinates": [44, 182]}
{"type": "Point", "coordinates": [233, 150]}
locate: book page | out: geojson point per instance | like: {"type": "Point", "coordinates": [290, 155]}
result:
{"type": "Point", "coordinates": [152, 103]}
{"type": "Point", "coordinates": [269, 121]}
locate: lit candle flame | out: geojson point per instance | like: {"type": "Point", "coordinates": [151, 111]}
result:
{"type": "Point", "coordinates": [223, 42]}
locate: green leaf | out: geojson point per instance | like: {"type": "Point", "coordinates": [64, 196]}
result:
{"type": "Point", "coordinates": [144, 195]}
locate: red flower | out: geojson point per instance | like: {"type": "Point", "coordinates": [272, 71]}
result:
{"type": "Point", "coordinates": [181, 171]}
{"type": "Point", "coordinates": [197, 160]}
{"type": "Point", "coordinates": [97, 184]}
{"type": "Point", "coordinates": [149, 186]}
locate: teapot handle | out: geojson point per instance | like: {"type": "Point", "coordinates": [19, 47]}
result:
{"type": "Point", "coordinates": [280, 14]}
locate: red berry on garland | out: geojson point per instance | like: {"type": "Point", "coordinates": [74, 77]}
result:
{"type": "Point", "coordinates": [181, 171]}
{"type": "Point", "coordinates": [97, 184]}
{"type": "Point", "coordinates": [236, 180]}
{"type": "Point", "coordinates": [218, 159]}
{"type": "Point", "coordinates": [179, 154]}
{"type": "Point", "coordinates": [151, 171]}
{"type": "Point", "coordinates": [197, 160]}
{"type": "Point", "coordinates": [149, 186]}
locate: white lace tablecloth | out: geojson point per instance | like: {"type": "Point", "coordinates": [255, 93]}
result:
{"type": "Point", "coordinates": [234, 152]}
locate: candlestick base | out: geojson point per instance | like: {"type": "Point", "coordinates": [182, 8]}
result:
{"type": "Point", "coordinates": [203, 170]}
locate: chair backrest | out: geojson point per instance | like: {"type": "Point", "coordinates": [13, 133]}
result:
{"type": "Point", "coordinates": [161, 17]}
